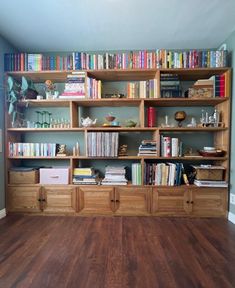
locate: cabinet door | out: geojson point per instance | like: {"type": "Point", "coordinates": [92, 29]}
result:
{"type": "Point", "coordinates": [24, 198]}
{"type": "Point", "coordinates": [209, 201]}
{"type": "Point", "coordinates": [59, 199]}
{"type": "Point", "coordinates": [132, 201]}
{"type": "Point", "coordinates": [171, 201]}
{"type": "Point", "coordinates": [96, 200]}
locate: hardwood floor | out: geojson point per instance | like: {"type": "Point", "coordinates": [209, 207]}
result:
{"type": "Point", "coordinates": [113, 252]}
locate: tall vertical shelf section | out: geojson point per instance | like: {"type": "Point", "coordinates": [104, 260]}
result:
{"type": "Point", "coordinates": [117, 200]}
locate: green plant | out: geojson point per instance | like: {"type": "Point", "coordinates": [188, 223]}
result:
{"type": "Point", "coordinates": [16, 92]}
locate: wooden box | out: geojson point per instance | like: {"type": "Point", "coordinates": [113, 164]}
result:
{"type": "Point", "coordinates": [23, 177]}
{"type": "Point", "coordinates": [200, 92]}
{"type": "Point", "coordinates": [215, 173]}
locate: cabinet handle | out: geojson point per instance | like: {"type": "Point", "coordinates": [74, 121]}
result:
{"type": "Point", "coordinates": [117, 200]}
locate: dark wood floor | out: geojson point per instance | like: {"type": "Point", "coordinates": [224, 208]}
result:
{"type": "Point", "coordinates": [136, 252]}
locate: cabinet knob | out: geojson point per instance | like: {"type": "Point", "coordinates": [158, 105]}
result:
{"type": "Point", "coordinates": [187, 202]}
{"type": "Point", "coordinates": [112, 200]}
{"type": "Point", "coordinates": [117, 200]}
{"type": "Point", "coordinates": [192, 202]}
{"type": "Point", "coordinates": [43, 200]}
{"type": "Point", "coordinates": [39, 200]}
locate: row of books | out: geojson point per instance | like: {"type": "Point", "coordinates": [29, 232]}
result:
{"type": "Point", "coordinates": [136, 174]}
{"type": "Point", "coordinates": [170, 86]}
{"type": "Point", "coordinates": [32, 149]}
{"type": "Point", "coordinates": [37, 62]}
{"type": "Point", "coordinates": [142, 89]}
{"type": "Point", "coordinates": [102, 144]}
{"type": "Point", "coordinates": [169, 174]}
{"type": "Point", "coordinates": [143, 59]}
{"type": "Point", "coordinates": [93, 88]}
{"type": "Point", "coordinates": [171, 146]}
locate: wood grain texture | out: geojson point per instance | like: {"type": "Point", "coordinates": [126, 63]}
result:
{"type": "Point", "coordinates": [116, 252]}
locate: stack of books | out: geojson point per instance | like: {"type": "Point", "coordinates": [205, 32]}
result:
{"type": "Point", "coordinates": [115, 175]}
{"type": "Point", "coordinates": [85, 176]}
{"type": "Point", "coordinates": [210, 183]}
{"type": "Point", "coordinates": [170, 86]}
{"type": "Point", "coordinates": [75, 86]}
{"type": "Point", "coordinates": [148, 147]}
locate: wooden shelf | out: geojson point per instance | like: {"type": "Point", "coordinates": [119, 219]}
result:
{"type": "Point", "coordinates": [195, 73]}
{"type": "Point", "coordinates": [39, 157]}
{"type": "Point", "coordinates": [126, 102]}
{"type": "Point", "coordinates": [185, 102]}
{"type": "Point", "coordinates": [193, 129]}
{"type": "Point", "coordinates": [120, 74]}
{"type": "Point", "coordinates": [120, 129]}
{"type": "Point", "coordinates": [197, 158]}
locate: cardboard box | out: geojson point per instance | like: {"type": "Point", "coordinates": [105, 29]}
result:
{"type": "Point", "coordinates": [23, 177]}
{"type": "Point", "coordinates": [215, 173]}
{"type": "Point", "coordinates": [54, 175]}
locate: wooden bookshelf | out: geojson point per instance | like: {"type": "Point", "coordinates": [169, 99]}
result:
{"type": "Point", "coordinates": [147, 200]}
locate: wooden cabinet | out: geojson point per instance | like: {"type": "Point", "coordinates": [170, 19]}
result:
{"type": "Point", "coordinates": [96, 200]}
{"type": "Point", "coordinates": [24, 198]}
{"type": "Point", "coordinates": [208, 201]}
{"type": "Point", "coordinates": [180, 201]}
{"type": "Point", "coordinates": [132, 200]}
{"type": "Point", "coordinates": [170, 201]}
{"type": "Point", "coordinates": [114, 201]}
{"type": "Point", "coordinates": [59, 199]}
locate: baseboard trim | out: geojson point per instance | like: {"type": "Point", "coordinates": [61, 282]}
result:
{"type": "Point", "coordinates": [231, 217]}
{"type": "Point", "coordinates": [3, 213]}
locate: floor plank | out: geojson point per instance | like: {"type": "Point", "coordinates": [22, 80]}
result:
{"type": "Point", "coordinates": [116, 252]}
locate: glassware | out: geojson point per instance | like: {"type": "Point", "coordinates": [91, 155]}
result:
{"type": "Point", "coordinates": [38, 123]}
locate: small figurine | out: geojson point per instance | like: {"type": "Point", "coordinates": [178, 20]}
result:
{"type": "Point", "coordinates": [61, 150]}
{"type": "Point", "coordinates": [122, 151]}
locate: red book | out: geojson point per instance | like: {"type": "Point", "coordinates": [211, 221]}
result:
{"type": "Point", "coordinates": [222, 85]}
{"type": "Point", "coordinates": [151, 116]}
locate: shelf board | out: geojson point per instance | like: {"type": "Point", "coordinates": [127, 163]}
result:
{"type": "Point", "coordinates": [104, 102]}
{"type": "Point", "coordinates": [39, 157]}
{"type": "Point", "coordinates": [24, 130]}
{"type": "Point", "coordinates": [125, 102]}
{"type": "Point", "coordinates": [197, 158]}
{"type": "Point", "coordinates": [185, 102]}
{"type": "Point", "coordinates": [123, 74]}
{"type": "Point", "coordinates": [195, 73]}
{"type": "Point", "coordinates": [44, 103]}
{"type": "Point", "coordinates": [120, 129]}
{"type": "Point", "coordinates": [41, 76]}
{"type": "Point", "coordinates": [192, 129]}
{"type": "Point", "coordinates": [120, 74]}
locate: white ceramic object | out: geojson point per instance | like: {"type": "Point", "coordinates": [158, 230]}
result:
{"type": "Point", "coordinates": [87, 122]}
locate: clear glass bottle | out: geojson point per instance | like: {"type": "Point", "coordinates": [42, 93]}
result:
{"type": "Point", "coordinates": [216, 117]}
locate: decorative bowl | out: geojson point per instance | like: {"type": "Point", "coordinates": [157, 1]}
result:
{"type": "Point", "coordinates": [110, 118]}
{"type": "Point", "coordinates": [214, 153]}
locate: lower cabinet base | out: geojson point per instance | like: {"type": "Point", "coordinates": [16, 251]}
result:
{"type": "Point", "coordinates": [180, 201]}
